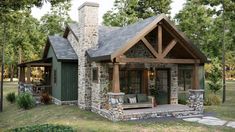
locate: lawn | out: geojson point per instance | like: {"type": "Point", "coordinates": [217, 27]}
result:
{"type": "Point", "coordinates": [80, 120]}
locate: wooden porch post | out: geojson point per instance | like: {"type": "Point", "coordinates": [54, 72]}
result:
{"type": "Point", "coordinates": [195, 77]}
{"type": "Point", "coordinates": [23, 74]}
{"type": "Point", "coordinates": [28, 73]}
{"type": "Point", "coordinates": [116, 82]}
{"type": "Point", "coordinates": [20, 75]}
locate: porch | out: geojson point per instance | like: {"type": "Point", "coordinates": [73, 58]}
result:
{"type": "Point", "coordinates": [35, 84]}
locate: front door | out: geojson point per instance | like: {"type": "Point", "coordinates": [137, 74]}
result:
{"type": "Point", "coordinates": [162, 80]}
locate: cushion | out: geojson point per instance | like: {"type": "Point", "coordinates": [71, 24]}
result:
{"type": "Point", "coordinates": [126, 100]}
{"type": "Point", "coordinates": [132, 100]}
{"type": "Point", "coordinates": [142, 98]}
{"type": "Point", "coordinates": [114, 101]}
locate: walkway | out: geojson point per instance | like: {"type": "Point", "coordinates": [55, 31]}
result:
{"type": "Point", "coordinates": [213, 121]}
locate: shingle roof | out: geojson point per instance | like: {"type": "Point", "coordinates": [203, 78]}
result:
{"type": "Point", "coordinates": [110, 42]}
{"type": "Point", "coordinates": [62, 48]}
{"type": "Point", "coordinates": [112, 39]}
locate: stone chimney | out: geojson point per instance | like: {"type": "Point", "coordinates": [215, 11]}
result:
{"type": "Point", "coordinates": [88, 38]}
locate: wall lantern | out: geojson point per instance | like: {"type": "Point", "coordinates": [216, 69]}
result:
{"type": "Point", "coordinates": [151, 73]}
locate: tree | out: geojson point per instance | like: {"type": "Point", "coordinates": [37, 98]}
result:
{"type": "Point", "coordinates": [129, 11]}
{"type": "Point", "coordinates": [215, 77]}
{"type": "Point", "coordinates": [54, 22]}
{"type": "Point", "coordinates": [195, 20]}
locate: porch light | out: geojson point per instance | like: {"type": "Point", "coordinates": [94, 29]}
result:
{"type": "Point", "coordinates": [151, 73]}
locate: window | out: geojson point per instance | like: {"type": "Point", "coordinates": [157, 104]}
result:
{"type": "Point", "coordinates": [131, 81]}
{"type": "Point", "coordinates": [185, 78]}
{"type": "Point", "coordinates": [95, 74]}
{"type": "Point", "coordinates": [55, 76]}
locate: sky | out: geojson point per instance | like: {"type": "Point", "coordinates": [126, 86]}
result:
{"type": "Point", "coordinates": [105, 5]}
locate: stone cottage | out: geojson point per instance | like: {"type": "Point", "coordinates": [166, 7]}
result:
{"type": "Point", "coordinates": [142, 70]}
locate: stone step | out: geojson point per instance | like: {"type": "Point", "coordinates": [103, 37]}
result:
{"type": "Point", "coordinates": [187, 114]}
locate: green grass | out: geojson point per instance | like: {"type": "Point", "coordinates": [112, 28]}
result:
{"type": "Point", "coordinates": [227, 109]}
{"type": "Point", "coordinates": [80, 120]}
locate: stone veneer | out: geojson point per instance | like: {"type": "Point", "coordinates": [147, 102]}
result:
{"type": "Point", "coordinates": [195, 100]}
{"type": "Point", "coordinates": [88, 38]}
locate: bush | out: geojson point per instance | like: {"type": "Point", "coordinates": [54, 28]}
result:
{"type": "Point", "coordinates": [44, 128]}
{"type": "Point", "coordinates": [212, 99]}
{"type": "Point", "coordinates": [25, 100]}
{"type": "Point", "coordinates": [11, 97]}
{"type": "Point", "coordinates": [45, 98]}
{"type": "Point", "coordinates": [183, 98]}
{"type": "Point", "coordinates": [214, 77]}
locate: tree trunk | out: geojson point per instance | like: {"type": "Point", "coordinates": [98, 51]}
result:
{"type": "Point", "coordinates": [12, 73]}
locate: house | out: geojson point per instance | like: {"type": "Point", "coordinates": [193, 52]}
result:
{"type": "Point", "coordinates": [118, 67]}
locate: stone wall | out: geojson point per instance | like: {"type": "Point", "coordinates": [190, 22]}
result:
{"type": "Point", "coordinates": [100, 88]}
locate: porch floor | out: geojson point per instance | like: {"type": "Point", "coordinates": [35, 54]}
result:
{"type": "Point", "coordinates": [159, 109]}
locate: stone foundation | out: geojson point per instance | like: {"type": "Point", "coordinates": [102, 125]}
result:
{"type": "Point", "coordinates": [195, 100]}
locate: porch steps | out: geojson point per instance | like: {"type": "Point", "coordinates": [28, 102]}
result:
{"type": "Point", "coordinates": [187, 114]}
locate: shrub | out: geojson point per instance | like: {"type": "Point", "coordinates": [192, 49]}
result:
{"type": "Point", "coordinates": [25, 100]}
{"type": "Point", "coordinates": [183, 98]}
{"type": "Point", "coordinates": [45, 98]}
{"type": "Point", "coordinates": [44, 128]}
{"type": "Point", "coordinates": [212, 99]}
{"type": "Point", "coordinates": [214, 77]}
{"type": "Point", "coordinates": [11, 97]}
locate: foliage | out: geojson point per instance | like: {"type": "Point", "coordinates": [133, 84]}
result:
{"type": "Point", "coordinates": [11, 97]}
{"type": "Point", "coordinates": [54, 22]}
{"type": "Point", "coordinates": [214, 77]}
{"type": "Point", "coordinates": [205, 16]}
{"type": "Point", "coordinates": [129, 11]}
{"type": "Point", "coordinates": [25, 101]}
{"type": "Point", "coordinates": [182, 98]}
{"type": "Point", "coordinates": [45, 98]}
{"type": "Point", "coordinates": [212, 99]}
{"type": "Point", "coordinates": [43, 128]}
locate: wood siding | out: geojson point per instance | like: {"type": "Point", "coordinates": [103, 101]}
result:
{"type": "Point", "coordinates": [69, 81]}
{"type": "Point", "coordinates": [56, 66]}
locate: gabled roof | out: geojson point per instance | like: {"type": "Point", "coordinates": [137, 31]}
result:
{"type": "Point", "coordinates": [113, 41]}
{"type": "Point", "coordinates": [61, 47]}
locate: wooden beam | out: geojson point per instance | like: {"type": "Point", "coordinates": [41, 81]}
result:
{"type": "Point", "coordinates": [116, 82]}
{"type": "Point", "coordinates": [153, 60]}
{"type": "Point", "coordinates": [159, 39]}
{"type": "Point", "coordinates": [169, 47]}
{"type": "Point", "coordinates": [40, 64]}
{"type": "Point", "coordinates": [150, 47]}
{"type": "Point", "coordinates": [180, 41]}
{"type": "Point", "coordinates": [139, 35]}
{"type": "Point", "coordinates": [28, 73]}
{"type": "Point", "coordinates": [195, 77]}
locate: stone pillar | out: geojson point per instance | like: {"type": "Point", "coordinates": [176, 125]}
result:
{"type": "Point", "coordinates": [88, 38]}
{"type": "Point", "coordinates": [115, 102]}
{"type": "Point", "coordinates": [195, 100]}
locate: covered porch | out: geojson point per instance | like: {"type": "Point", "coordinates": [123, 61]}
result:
{"type": "Point", "coordinates": [35, 84]}
{"type": "Point", "coordinates": [155, 60]}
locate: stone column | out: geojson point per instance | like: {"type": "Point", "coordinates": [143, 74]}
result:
{"type": "Point", "coordinates": [115, 102]}
{"type": "Point", "coordinates": [195, 100]}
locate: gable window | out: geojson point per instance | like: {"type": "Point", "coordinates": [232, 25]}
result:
{"type": "Point", "coordinates": [55, 76]}
{"type": "Point", "coordinates": [95, 74]}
